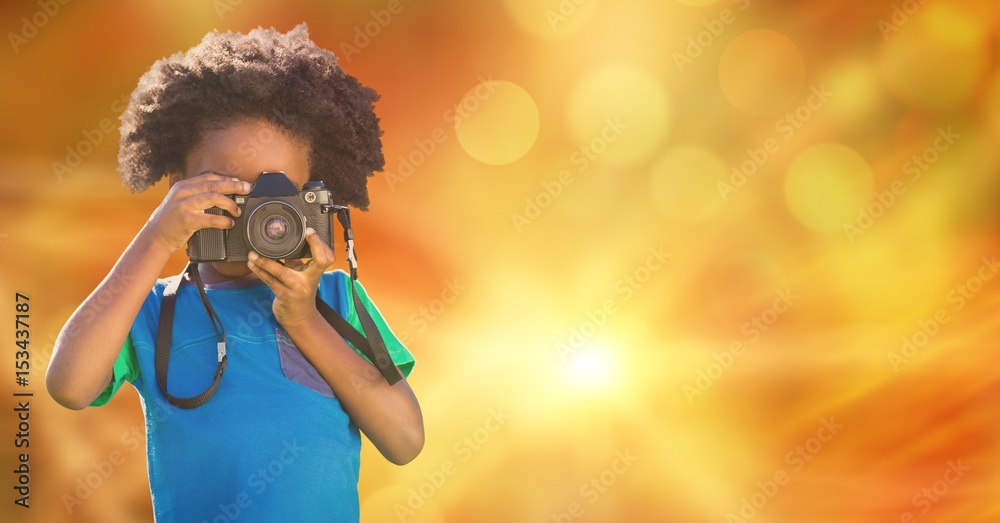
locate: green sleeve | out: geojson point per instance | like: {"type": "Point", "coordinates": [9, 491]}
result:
{"type": "Point", "coordinates": [126, 368]}
{"type": "Point", "coordinates": [397, 351]}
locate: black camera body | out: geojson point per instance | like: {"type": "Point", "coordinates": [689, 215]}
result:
{"type": "Point", "coordinates": [272, 222]}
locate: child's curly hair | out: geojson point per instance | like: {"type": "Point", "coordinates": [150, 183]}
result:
{"type": "Point", "coordinates": [284, 79]}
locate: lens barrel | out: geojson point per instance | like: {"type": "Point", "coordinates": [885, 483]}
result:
{"type": "Point", "coordinates": [275, 229]}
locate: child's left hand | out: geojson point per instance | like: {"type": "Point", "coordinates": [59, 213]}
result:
{"type": "Point", "coordinates": [294, 284]}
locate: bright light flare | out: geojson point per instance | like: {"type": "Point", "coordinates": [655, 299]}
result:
{"type": "Point", "coordinates": [593, 368]}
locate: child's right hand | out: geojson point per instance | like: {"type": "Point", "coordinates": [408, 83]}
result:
{"type": "Point", "coordinates": [183, 209]}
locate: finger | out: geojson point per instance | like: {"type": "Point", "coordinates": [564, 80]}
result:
{"type": "Point", "coordinates": [208, 175]}
{"type": "Point", "coordinates": [203, 220]}
{"type": "Point", "coordinates": [184, 183]}
{"type": "Point", "coordinates": [206, 200]}
{"type": "Point", "coordinates": [221, 185]}
{"type": "Point", "coordinates": [271, 267]}
{"type": "Point", "coordinates": [260, 269]}
{"type": "Point", "coordinates": [297, 265]}
{"type": "Point", "coordinates": [322, 254]}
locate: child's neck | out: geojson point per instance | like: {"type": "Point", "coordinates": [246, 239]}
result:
{"type": "Point", "coordinates": [221, 272]}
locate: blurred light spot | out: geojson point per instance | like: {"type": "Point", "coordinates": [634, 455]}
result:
{"type": "Point", "coordinates": [761, 72]}
{"type": "Point", "coordinates": [935, 58]}
{"type": "Point", "coordinates": [619, 112]}
{"type": "Point", "coordinates": [683, 183]}
{"type": "Point", "coordinates": [966, 22]}
{"type": "Point", "coordinates": [856, 89]}
{"type": "Point", "coordinates": [698, 2]}
{"type": "Point", "coordinates": [901, 274]}
{"type": "Point", "coordinates": [552, 18]}
{"type": "Point", "coordinates": [592, 367]}
{"type": "Point", "coordinates": [826, 185]}
{"type": "Point", "coordinates": [413, 504]}
{"type": "Point", "coordinates": [496, 122]}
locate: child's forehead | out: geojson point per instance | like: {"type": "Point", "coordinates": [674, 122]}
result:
{"type": "Point", "coordinates": [247, 148]}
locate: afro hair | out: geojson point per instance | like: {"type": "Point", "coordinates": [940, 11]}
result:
{"type": "Point", "coordinates": [284, 79]}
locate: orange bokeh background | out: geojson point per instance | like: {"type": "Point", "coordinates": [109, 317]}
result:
{"type": "Point", "coordinates": [715, 261]}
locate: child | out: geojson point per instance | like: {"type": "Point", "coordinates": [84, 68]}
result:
{"type": "Point", "coordinates": [279, 438]}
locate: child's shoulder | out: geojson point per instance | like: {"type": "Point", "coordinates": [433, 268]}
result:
{"type": "Point", "coordinates": [339, 274]}
{"type": "Point", "coordinates": [334, 282]}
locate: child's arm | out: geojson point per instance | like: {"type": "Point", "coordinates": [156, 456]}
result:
{"type": "Point", "coordinates": [89, 343]}
{"type": "Point", "coordinates": [388, 414]}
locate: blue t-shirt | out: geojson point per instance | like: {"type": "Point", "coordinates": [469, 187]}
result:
{"type": "Point", "coordinates": [273, 443]}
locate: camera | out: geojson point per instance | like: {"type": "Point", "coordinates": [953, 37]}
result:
{"type": "Point", "coordinates": [272, 222]}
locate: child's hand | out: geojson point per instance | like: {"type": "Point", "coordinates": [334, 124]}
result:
{"type": "Point", "coordinates": [183, 209]}
{"type": "Point", "coordinates": [295, 283]}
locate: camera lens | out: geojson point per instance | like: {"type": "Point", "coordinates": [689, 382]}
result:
{"type": "Point", "coordinates": [275, 229]}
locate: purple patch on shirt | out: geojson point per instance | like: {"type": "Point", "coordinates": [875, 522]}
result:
{"type": "Point", "coordinates": [296, 367]}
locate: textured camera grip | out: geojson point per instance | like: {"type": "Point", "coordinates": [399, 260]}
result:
{"type": "Point", "coordinates": [208, 244]}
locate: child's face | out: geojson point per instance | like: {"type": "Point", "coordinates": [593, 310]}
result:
{"type": "Point", "coordinates": [244, 150]}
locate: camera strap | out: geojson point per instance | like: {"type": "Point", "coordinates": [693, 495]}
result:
{"type": "Point", "coordinates": [370, 343]}
{"type": "Point", "coordinates": [164, 334]}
